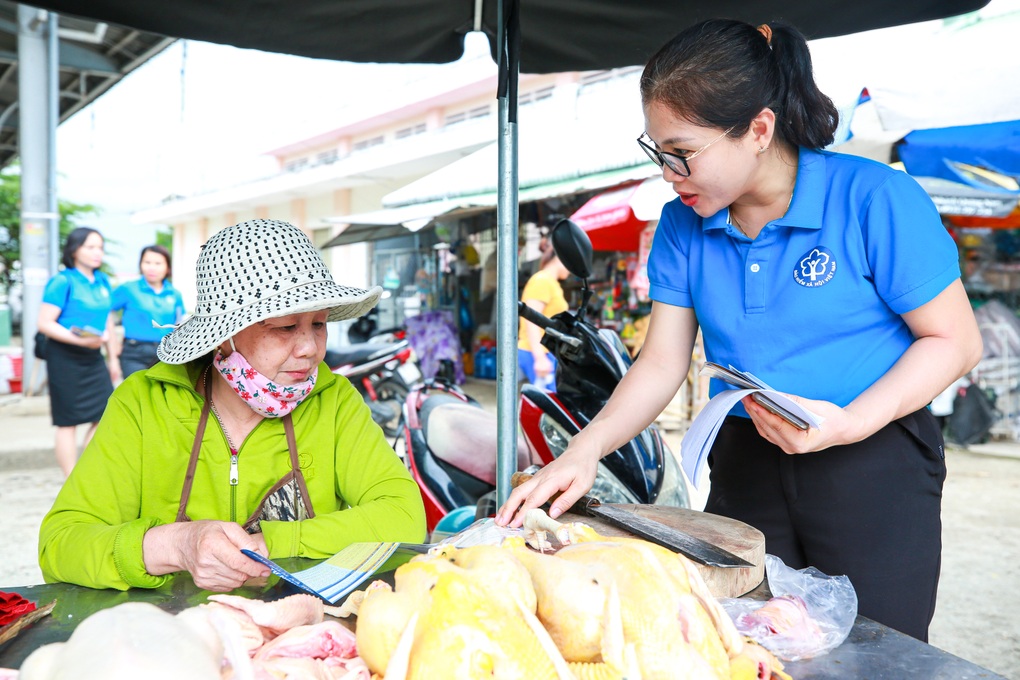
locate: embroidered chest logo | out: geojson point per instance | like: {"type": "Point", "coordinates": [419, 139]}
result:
{"type": "Point", "coordinates": [816, 268]}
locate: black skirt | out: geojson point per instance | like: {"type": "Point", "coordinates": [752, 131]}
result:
{"type": "Point", "coordinates": [79, 383]}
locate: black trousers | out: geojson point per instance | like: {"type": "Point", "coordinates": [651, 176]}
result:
{"type": "Point", "coordinates": [870, 510]}
{"type": "Point", "coordinates": [137, 356]}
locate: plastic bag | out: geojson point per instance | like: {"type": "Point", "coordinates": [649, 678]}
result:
{"type": "Point", "coordinates": [809, 614]}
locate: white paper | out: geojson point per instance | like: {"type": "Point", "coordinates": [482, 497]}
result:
{"type": "Point", "coordinates": [698, 440]}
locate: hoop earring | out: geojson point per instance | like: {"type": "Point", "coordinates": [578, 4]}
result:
{"type": "Point", "coordinates": [762, 149]}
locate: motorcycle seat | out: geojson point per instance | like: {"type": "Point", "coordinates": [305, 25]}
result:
{"type": "Point", "coordinates": [465, 437]}
{"type": "Point", "coordinates": [361, 352]}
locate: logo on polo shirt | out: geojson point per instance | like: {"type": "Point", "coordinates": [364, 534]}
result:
{"type": "Point", "coordinates": [816, 268]}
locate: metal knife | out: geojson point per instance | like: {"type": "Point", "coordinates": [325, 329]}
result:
{"type": "Point", "coordinates": [697, 549]}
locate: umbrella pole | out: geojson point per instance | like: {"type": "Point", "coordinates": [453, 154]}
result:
{"type": "Point", "coordinates": [508, 36]}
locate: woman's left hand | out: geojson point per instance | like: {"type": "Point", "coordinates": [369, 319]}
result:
{"type": "Point", "coordinates": [840, 426]}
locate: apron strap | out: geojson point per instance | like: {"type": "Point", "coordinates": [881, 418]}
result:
{"type": "Point", "coordinates": [196, 446]}
{"type": "Point", "coordinates": [288, 426]}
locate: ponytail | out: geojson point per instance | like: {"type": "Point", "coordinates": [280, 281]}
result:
{"type": "Point", "coordinates": [808, 117]}
{"type": "Point", "coordinates": [721, 73]}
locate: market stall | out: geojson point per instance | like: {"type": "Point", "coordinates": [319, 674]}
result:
{"type": "Point", "coordinates": [871, 649]}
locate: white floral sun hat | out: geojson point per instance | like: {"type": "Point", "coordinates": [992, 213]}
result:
{"type": "Point", "coordinates": [253, 271]}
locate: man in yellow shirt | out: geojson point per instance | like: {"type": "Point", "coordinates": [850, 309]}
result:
{"type": "Point", "coordinates": [544, 294]}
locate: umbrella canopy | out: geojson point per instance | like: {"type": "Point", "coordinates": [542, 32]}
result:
{"type": "Point", "coordinates": [556, 35]}
{"type": "Point", "coordinates": [614, 219]}
{"type": "Point", "coordinates": [540, 36]}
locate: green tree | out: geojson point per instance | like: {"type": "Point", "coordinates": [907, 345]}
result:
{"type": "Point", "coordinates": [165, 238]}
{"type": "Point", "coordinates": [10, 223]}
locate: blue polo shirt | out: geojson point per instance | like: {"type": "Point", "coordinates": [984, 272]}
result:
{"type": "Point", "coordinates": [812, 306]}
{"type": "Point", "coordinates": [83, 303]}
{"type": "Point", "coordinates": [142, 305]}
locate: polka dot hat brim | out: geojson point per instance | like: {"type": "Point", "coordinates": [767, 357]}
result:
{"type": "Point", "coordinates": [254, 271]}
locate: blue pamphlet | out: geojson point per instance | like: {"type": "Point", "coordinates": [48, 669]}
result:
{"type": "Point", "coordinates": [336, 577]}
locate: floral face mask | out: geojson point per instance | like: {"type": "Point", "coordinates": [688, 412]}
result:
{"type": "Point", "coordinates": [264, 396]}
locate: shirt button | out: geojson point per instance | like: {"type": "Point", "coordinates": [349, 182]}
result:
{"type": "Point", "coordinates": [755, 268]}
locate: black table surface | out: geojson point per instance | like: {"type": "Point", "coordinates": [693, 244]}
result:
{"type": "Point", "coordinates": [871, 651]}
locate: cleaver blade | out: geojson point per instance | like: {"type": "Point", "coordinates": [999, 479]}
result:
{"type": "Point", "coordinates": [699, 550]}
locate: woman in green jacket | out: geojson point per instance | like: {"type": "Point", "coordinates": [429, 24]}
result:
{"type": "Point", "coordinates": [240, 438]}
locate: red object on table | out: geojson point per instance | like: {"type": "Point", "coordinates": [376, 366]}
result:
{"type": "Point", "coordinates": [12, 606]}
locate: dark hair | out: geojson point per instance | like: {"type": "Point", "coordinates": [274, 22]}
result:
{"type": "Point", "coordinates": [721, 73]}
{"type": "Point", "coordinates": [159, 250]}
{"type": "Point", "coordinates": [545, 246]}
{"type": "Point", "coordinates": [75, 240]}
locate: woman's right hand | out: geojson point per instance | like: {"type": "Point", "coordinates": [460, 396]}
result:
{"type": "Point", "coordinates": [543, 365]}
{"type": "Point", "coordinates": [571, 475]}
{"type": "Point", "coordinates": [90, 341]}
{"type": "Point", "coordinates": [209, 550]}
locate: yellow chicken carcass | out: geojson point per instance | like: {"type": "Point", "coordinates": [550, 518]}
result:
{"type": "Point", "coordinates": [606, 608]}
{"type": "Point", "coordinates": [462, 608]}
{"type": "Point", "coordinates": [667, 609]}
{"type": "Point", "coordinates": [384, 611]}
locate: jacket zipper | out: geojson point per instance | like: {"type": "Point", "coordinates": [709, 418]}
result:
{"type": "Point", "coordinates": [233, 485]}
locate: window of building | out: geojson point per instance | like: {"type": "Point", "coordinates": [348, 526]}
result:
{"type": "Point", "coordinates": [535, 96]}
{"type": "Point", "coordinates": [326, 157]}
{"type": "Point", "coordinates": [411, 131]}
{"type": "Point", "coordinates": [295, 165]}
{"type": "Point", "coordinates": [455, 118]}
{"type": "Point", "coordinates": [367, 143]}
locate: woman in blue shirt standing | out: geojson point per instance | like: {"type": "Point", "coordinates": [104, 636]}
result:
{"type": "Point", "coordinates": [75, 315]}
{"type": "Point", "coordinates": [150, 298]}
{"type": "Point", "coordinates": [828, 276]}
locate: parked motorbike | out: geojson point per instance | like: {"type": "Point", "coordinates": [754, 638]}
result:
{"type": "Point", "coordinates": [366, 329]}
{"type": "Point", "coordinates": [382, 373]}
{"type": "Point", "coordinates": [451, 441]}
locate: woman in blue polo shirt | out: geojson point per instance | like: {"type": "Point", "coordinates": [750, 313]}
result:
{"type": "Point", "coordinates": [831, 278]}
{"type": "Point", "coordinates": [75, 316]}
{"type": "Point", "coordinates": [150, 298]}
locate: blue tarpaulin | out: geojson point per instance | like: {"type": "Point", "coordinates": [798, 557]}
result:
{"type": "Point", "coordinates": [932, 153]}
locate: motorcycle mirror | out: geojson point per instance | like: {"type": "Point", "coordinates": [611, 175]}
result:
{"type": "Point", "coordinates": [573, 247]}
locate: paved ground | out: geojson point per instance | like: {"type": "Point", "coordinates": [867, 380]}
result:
{"type": "Point", "coordinates": [977, 616]}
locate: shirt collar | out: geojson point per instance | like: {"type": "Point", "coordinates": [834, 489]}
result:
{"type": "Point", "coordinates": [163, 291]}
{"type": "Point", "coordinates": [805, 209]}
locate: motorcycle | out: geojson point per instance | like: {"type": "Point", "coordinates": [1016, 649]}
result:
{"type": "Point", "coordinates": [450, 441]}
{"type": "Point", "coordinates": [382, 373]}
{"type": "Point", "coordinates": [366, 329]}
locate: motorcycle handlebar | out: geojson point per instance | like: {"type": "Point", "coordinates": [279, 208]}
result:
{"type": "Point", "coordinates": [545, 323]}
{"type": "Point", "coordinates": [531, 315]}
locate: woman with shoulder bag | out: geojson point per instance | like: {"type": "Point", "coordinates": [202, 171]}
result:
{"type": "Point", "coordinates": [75, 318]}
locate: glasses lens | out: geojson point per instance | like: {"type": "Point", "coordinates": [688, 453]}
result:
{"type": "Point", "coordinates": [677, 164]}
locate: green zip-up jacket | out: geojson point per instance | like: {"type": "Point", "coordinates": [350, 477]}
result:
{"type": "Point", "coordinates": [130, 478]}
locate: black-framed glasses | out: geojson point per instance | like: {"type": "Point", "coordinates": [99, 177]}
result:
{"type": "Point", "coordinates": [673, 161]}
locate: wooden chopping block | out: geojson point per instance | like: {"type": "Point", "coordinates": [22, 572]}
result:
{"type": "Point", "coordinates": [740, 539]}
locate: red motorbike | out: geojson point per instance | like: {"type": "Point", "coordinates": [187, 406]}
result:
{"type": "Point", "coordinates": [450, 440]}
{"type": "Point", "coordinates": [383, 373]}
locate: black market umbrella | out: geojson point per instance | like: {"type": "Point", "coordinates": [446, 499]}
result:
{"type": "Point", "coordinates": [534, 36]}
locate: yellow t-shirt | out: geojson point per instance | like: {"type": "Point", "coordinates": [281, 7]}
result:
{"type": "Point", "coordinates": [545, 288]}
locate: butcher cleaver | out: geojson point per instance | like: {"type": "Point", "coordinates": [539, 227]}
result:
{"type": "Point", "coordinates": [699, 550]}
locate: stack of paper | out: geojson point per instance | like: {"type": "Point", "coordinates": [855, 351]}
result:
{"type": "Point", "coordinates": [336, 577]}
{"type": "Point", "coordinates": [697, 442]}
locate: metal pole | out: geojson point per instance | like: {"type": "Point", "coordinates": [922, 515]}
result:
{"type": "Point", "coordinates": [37, 92]}
{"type": "Point", "coordinates": [506, 249]}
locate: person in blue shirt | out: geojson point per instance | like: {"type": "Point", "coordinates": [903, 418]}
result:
{"type": "Point", "coordinates": [829, 277]}
{"type": "Point", "coordinates": [149, 299]}
{"type": "Point", "coordinates": [75, 315]}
